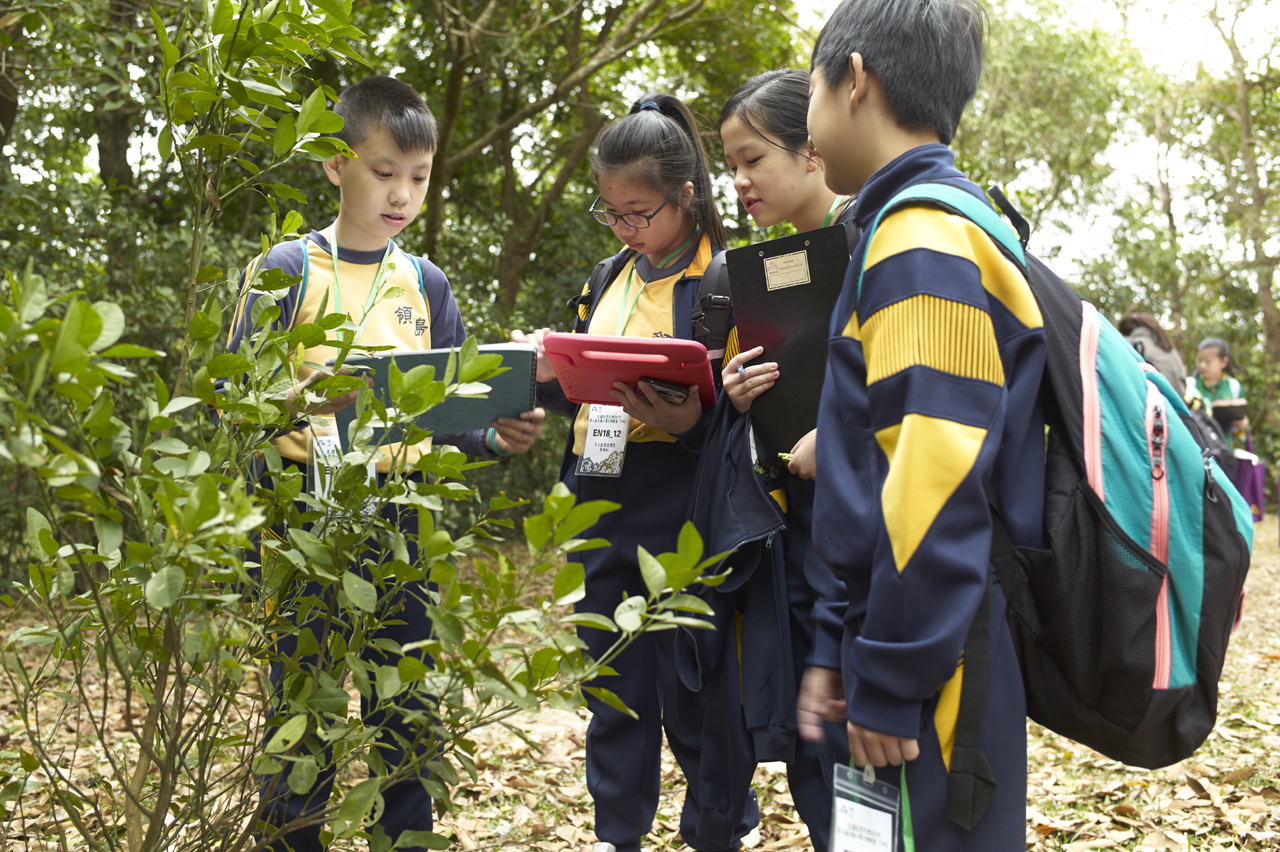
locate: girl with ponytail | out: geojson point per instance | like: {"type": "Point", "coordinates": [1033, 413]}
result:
{"type": "Point", "coordinates": [778, 177]}
{"type": "Point", "coordinates": [655, 194]}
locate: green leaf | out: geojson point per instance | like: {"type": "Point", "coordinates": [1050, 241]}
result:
{"type": "Point", "coordinates": [287, 193]}
{"type": "Point", "coordinates": [570, 584]}
{"type": "Point", "coordinates": [223, 18]}
{"type": "Point", "coordinates": [651, 570]}
{"type": "Point", "coordinates": [110, 534]}
{"type": "Point", "coordinates": [40, 534]}
{"type": "Point", "coordinates": [287, 735]}
{"type": "Point", "coordinates": [178, 403]}
{"type": "Point", "coordinates": [292, 222]}
{"type": "Point", "coordinates": [411, 669]}
{"type": "Point", "coordinates": [203, 328]}
{"type": "Point", "coordinates": [336, 9]}
{"type": "Point", "coordinates": [537, 530]}
{"type": "Point", "coordinates": [628, 615]}
{"type": "Point", "coordinates": [360, 591]}
{"type": "Point", "coordinates": [611, 699]}
{"type": "Point", "coordinates": [328, 699]}
{"type": "Point", "coordinates": [129, 350]}
{"type": "Point", "coordinates": [688, 603]}
{"type": "Point", "coordinates": [303, 774]}
{"type": "Point", "coordinates": [312, 108]}
{"type": "Point", "coordinates": [427, 839]}
{"type": "Point", "coordinates": [285, 136]}
{"type": "Point", "coordinates": [165, 143]}
{"type": "Point", "coordinates": [591, 619]}
{"type": "Point", "coordinates": [165, 586]}
{"type": "Point", "coordinates": [112, 324]}
{"type": "Point", "coordinates": [167, 47]}
{"type": "Point", "coordinates": [357, 803]}
{"type": "Point", "coordinates": [228, 364]}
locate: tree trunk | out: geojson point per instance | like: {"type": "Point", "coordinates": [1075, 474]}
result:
{"type": "Point", "coordinates": [1174, 283]}
{"type": "Point", "coordinates": [115, 126]}
{"type": "Point", "coordinates": [1250, 202]}
{"type": "Point", "coordinates": [12, 63]}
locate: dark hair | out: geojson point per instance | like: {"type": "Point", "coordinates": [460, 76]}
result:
{"type": "Point", "coordinates": [775, 102]}
{"type": "Point", "coordinates": [927, 55]}
{"type": "Point", "coordinates": [1224, 351]}
{"type": "Point", "coordinates": [386, 102]}
{"type": "Point", "coordinates": [1129, 322]}
{"type": "Point", "coordinates": [662, 147]}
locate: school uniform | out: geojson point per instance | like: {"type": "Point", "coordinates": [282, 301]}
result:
{"type": "Point", "coordinates": [653, 490]}
{"type": "Point", "coordinates": [777, 582]}
{"type": "Point", "coordinates": [424, 316]}
{"type": "Point", "coordinates": [931, 395]}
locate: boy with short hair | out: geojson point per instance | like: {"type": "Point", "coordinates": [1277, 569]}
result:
{"type": "Point", "coordinates": [930, 397]}
{"type": "Point", "coordinates": [348, 266]}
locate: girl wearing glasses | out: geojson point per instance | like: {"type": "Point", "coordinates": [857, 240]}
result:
{"type": "Point", "coordinates": [656, 196]}
{"type": "Point", "coordinates": [778, 177]}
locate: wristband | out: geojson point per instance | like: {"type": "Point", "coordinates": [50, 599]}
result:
{"type": "Point", "coordinates": [491, 441]}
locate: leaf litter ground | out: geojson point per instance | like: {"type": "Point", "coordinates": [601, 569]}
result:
{"type": "Point", "coordinates": [1225, 797]}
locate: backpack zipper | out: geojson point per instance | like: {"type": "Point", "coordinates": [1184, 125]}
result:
{"type": "Point", "coordinates": [1091, 407]}
{"type": "Point", "coordinates": [1157, 439]}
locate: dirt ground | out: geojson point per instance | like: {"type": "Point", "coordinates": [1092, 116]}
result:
{"type": "Point", "coordinates": [1225, 797]}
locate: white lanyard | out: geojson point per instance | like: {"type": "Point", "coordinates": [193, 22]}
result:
{"type": "Point", "coordinates": [624, 314]}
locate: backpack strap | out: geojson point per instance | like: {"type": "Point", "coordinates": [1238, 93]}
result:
{"type": "Point", "coordinates": [970, 780]}
{"type": "Point", "coordinates": [417, 272]}
{"type": "Point", "coordinates": [584, 303]}
{"type": "Point", "coordinates": [712, 312]}
{"type": "Point", "coordinates": [961, 202]}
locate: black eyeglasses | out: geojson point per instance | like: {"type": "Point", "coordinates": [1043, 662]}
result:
{"type": "Point", "coordinates": [636, 221]}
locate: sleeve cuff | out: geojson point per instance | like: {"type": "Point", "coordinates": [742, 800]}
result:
{"type": "Point", "coordinates": [827, 634]}
{"type": "Point", "coordinates": [694, 437]}
{"type": "Point", "coordinates": [551, 397]}
{"type": "Point", "coordinates": [883, 712]}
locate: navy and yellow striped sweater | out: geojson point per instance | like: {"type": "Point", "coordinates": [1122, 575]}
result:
{"type": "Point", "coordinates": [931, 391]}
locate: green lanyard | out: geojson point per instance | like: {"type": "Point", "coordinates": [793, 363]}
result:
{"type": "Point", "coordinates": [373, 291]}
{"type": "Point", "coordinates": [624, 313]}
{"type": "Point", "coordinates": [835, 205]}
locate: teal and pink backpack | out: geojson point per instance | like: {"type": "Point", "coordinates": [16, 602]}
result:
{"type": "Point", "coordinates": [1122, 623]}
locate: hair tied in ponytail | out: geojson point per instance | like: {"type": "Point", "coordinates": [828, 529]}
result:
{"type": "Point", "coordinates": [650, 105]}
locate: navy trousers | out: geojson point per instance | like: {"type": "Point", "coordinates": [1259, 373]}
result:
{"type": "Point", "coordinates": [624, 754]}
{"type": "Point", "coordinates": [1003, 739]}
{"type": "Point", "coordinates": [810, 771]}
{"type": "Point", "coordinates": [407, 803]}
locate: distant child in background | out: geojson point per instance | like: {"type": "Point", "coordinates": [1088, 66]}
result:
{"type": "Point", "coordinates": [655, 194]}
{"type": "Point", "coordinates": [1223, 396]}
{"type": "Point", "coordinates": [1217, 389]}
{"type": "Point", "coordinates": [778, 177]}
{"type": "Point", "coordinates": [1144, 333]}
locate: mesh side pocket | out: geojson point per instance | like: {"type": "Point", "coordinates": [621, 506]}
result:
{"type": "Point", "coordinates": [1098, 611]}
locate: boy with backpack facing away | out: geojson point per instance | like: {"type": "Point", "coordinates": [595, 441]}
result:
{"type": "Point", "coordinates": [931, 398]}
{"type": "Point", "coordinates": [348, 266]}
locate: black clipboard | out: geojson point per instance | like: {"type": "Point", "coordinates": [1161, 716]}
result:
{"type": "Point", "coordinates": [784, 291]}
{"type": "Point", "coordinates": [511, 392]}
{"type": "Point", "coordinates": [1228, 411]}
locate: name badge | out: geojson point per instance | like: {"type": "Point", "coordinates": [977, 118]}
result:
{"type": "Point", "coordinates": [325, 459]}
{"type": "Point", "coordinates": [864, 813]}
{"type": "Point", "coordinates": [606, 446]}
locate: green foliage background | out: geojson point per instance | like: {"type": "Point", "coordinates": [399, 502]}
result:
{"type": "Point", "coordinates": [90, 202]}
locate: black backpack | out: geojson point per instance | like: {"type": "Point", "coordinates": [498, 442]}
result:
{"type": "Point", "coordinates": [1121, 625]}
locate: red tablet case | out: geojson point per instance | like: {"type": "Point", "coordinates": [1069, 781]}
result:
{"type": "Point", "coordinates": [587, 365]}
